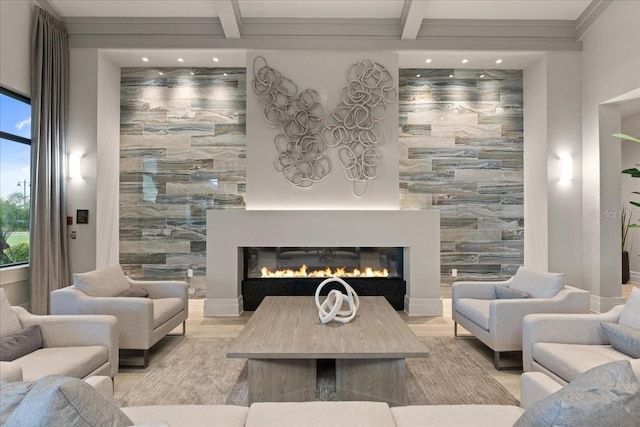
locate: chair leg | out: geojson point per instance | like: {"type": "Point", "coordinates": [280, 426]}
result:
{"type": "Point", "coordinates": [184, 331]}
{"type": "Point", "coordinates": [496, 360]}
{"type": "Point", "coordinates": [145, 359]}
{"type": "Point", "coordinates": [455, 332]}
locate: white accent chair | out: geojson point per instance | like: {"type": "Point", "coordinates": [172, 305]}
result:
{"type": "Point", "coordinates": [565, 345]}
{"type": "Point", "coordinates": [142, 321]}
{"type": "Point", "coordinates": [75, 346]}
{"type": "Point", "coordinates": [498, 322]}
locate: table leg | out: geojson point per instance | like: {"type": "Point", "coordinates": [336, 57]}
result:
{"type": "Point", "coordinates": [282, 380]}
{"type": "Point", "coordinates": [371, 379]}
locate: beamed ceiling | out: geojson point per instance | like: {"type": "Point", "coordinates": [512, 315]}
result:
{"type": "Point", "coordinates": [441, 30]}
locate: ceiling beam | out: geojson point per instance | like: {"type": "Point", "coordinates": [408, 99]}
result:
{"type": "Point", "coordinates": [589, 16]}
{"type": "Point", "coordinates": [411, 19]}
{"type": "Point", "coordinates": [229, 14]}
{"type": "Point", "coordinates": [325, 34]}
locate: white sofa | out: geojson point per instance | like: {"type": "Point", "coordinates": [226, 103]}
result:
{"type": "Point", "coordinates": [535, 387]}
{"type": "Point", "coordinates": [77, 346]}
{"type": "Point", "coordinates": [142, 321]}
{"type": "Point", "coordinates": [565, 345]}
{"type": "Point", "coordinates": [334, 414]}
{"type": "Point", "coordinates": [498, 322]}
{"type": "Point", "coordinates": [605, 393]}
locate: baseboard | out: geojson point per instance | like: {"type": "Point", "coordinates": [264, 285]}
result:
{"type": "Point", "coordinates": [635, 277]}
{"type": "Point", "coordinates": [600, 304]}
{"type": "Point", "coordinates": [422, 306]}
{"type": "Point", "coordinates": [224, 307]}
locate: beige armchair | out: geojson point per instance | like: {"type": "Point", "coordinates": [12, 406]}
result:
{"type": "Point", "coordinates": [76, 346]}
{"type": "Point", "coordinates": [565, 345]}
{"type": "Point", "coordinates": [142, 320]}
{"type": "Point", "coordinates": [498, 322]}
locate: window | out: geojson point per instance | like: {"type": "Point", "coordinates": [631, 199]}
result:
{"type": "Point", "coordinates": [15, 177]}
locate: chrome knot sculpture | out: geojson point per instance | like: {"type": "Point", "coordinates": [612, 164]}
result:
{"type": "Point", "coordinates": [331, 307]}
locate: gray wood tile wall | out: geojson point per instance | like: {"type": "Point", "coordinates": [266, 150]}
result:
{"type": "Point", "coordinates": [461, 145]}
{"type": "Point", "coordinates": [182, 151]}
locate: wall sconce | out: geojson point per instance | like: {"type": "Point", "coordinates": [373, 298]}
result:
{"type": "Point", "coordinates": [566, 168]}
{"type": "Point", "coordinates": [75, 166]}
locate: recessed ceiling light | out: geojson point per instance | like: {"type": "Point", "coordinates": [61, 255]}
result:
{"type": "Point", "coordinates": [417, 75]}
{"type": "Point", "coordinates": [160, 73]}
{"type": "Point", "coordinates": [224, 74]}
{"type": "Point", "coordinates": [450, 75]}
{"type": "Point", "coordinates": [215, 59]}
{"type": "Point", "coordinates": [428, 60]}
{"type": "Point", "coordinates": [498, 61]}
{"type": "Point", "coordinates": [193, 74]}
{"type": "Point", "coordinates": [465, 60]}
{"type": "Point", "coordinates": [145, 59]}
{"type": "Point", "coordinates": [180, 60]}
{"type": "Point", "coordinates": [482, 76]}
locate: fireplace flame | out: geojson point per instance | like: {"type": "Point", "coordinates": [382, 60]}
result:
{"type": "Point", "coordinates": [327, 272]}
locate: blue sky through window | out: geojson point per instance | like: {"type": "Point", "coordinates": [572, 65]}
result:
{"type": "Point", "coordinates": [15, 157]}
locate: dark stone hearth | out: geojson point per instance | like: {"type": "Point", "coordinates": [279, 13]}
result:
{"type": "Point", "coordinates": [254, 290]}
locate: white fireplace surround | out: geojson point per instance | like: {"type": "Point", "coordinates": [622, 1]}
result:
{"type": "Point", "coordinates": [417, 232]}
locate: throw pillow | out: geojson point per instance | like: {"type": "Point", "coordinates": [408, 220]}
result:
{"type": "Point", "coordinates": [537, 284]}
{"type": "Point", "coordinates": [106, 282]}
{"type": "Point", "coordinates": [505, 292]}
{"type": "Point", "coordinates": [607, 395]}
{"type": "Point", "coordinates": [20, 343]}
{"type": "Point", "coordinates": [135, 292]}
{"type": "Point", "coordinates": [63, 401]}
{"type": "Point", "coordinates": [623, 338]}
{"type": "Point", "coordinates": [9, 322]}
{"type": "Point", "coordinates": [630, 315]}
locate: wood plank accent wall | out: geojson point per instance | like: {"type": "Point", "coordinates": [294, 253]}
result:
{"type": "Point", "coordinates": [461, 145]}
{"type": "Point", "coordinates": [182, 152]}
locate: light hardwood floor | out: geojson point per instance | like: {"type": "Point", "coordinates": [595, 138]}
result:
{"type": "Point", "coordinates": [229, 327]}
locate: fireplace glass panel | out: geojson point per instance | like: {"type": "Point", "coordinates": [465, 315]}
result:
{"type": "Point", "coordinates": [263, 262]}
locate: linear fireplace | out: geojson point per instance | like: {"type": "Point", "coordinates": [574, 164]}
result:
{"type": "Point", "coordinates": [304, 262]}
{"type": "Point", "coordinates": [298, 270]}
{"type": "Point", "coordinates": [417, 233]}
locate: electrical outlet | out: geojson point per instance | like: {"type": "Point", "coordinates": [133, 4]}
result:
{"type": "Point", "coordinates": [190, 272]}
{"type": "Point", "coordinates": [454, 272]}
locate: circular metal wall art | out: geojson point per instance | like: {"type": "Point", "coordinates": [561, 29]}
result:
{"type": "Point", "coordinates": [301, 158]}
{"type": "Point", "coordinates": [354, 126]}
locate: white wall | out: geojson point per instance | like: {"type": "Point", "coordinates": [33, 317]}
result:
{"type": "Point", "coordinates": [15, 42]}
{"type": "Point", "coordinates": [326, 73]}
{"type": "Point", "coordinates": [553, 209]}
{"type": "Point", "coordinates": [611, 67]}
{"type": "Point", "coordinates": [564, 139]}
{"type": "Point", "coordinates": [536, 236]}
{"type": "Point", "coordinates": [631, 159]}
{"type": "Point", "coordinates": [108, 168]}
{"type": "Point", "coordinates": [82, 140]}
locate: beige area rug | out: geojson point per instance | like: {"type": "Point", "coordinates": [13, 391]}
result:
{"type": "Point", "coordinates": [197, 372]}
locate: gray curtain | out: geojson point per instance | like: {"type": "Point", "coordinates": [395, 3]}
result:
{"type": "Point", "coordinates": [49, 264]}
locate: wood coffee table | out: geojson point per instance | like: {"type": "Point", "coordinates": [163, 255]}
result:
{"type": "Point", "coordinates": [284, 338]}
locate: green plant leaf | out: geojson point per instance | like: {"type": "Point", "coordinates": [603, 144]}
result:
{"type": "Point", "coordinates": [635, 204]}
{"type": "Point", "coordinates": [634, 172]}
{"type": "Point", "coordinates": [627, 137]}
